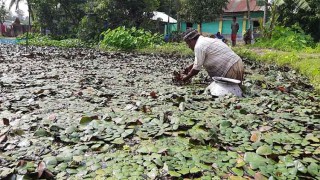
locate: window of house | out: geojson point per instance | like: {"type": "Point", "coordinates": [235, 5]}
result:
{"type": "Point", "coordinates": [256, 25]}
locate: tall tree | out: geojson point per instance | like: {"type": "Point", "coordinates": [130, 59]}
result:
{"type": "Point", "coordinates": [3, 11]}
{"type": "Point", "coordinates": [171, 7]}
{"type": "Point", "coordinates": [276, 9]}
{"type": "Point", "coordinates": [202, 10]}
{"type": "Point", "coordinates": [12, 2]}
{"type": "Point", "coordinates": [305, 13]}
{"type": "Point", "coordinates": [61, 17]}
{"type": "Point", "coordinates": [126, 12]}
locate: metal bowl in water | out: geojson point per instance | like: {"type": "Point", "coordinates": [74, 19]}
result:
{"type": "Point", "coordinates": [222, 86]}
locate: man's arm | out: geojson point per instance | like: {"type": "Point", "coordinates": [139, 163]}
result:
{"type": "Point", "coordinates": [199, 53]}
{"type": "Point", "coordinates": [188, 69]}
{"type": "Point", "coordinates": [192, 73]}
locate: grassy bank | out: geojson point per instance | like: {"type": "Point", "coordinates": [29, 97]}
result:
{"type": "Point", "coordinates": [307, 64]}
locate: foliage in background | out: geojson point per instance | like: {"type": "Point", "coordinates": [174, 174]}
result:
{"type": "Point", "coordinates": [3, 11]}
{"type": "Point", "coordinates": [129, 38]}
{"type": "Point", "coordinates": [60, 17]}
{"type": "Point", "coordinates": [306, 13]}
{"type": "Point", "coordinates": [287, 39]}
{"type": "Point", "coordinates": [129, 13]}
{"type": "Point", "coordinates": [103, 15]}
{"type": "Point", "coordinates": [90, 28]}
{"type": "Point", "coordinates": [37, 39]}
{"type": "Point", "coordinates": [202, 10]}
{"type": "Point", "coordinates": [172, 8]}
{"type": "Point", "coordinates": [283, 10]}
{"type": "Point", "coordinates": [174, 49]}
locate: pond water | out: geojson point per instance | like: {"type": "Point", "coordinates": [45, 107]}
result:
{"type": "Point", "coordinates": [8, 41]}
{"type": "Point", "coordinates": [85, 114]}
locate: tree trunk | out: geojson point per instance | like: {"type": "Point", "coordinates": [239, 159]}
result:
{"type": "Point", "coordinates": [178, 23]}
{"type": "Point", "coordinates": [178, 7]}
{"type": "Point", "coordinates": [29, 25]}
{"type": "Point", "coordinates": [265, 13]}
{"type": "Point", "coordinates": [249, 19]}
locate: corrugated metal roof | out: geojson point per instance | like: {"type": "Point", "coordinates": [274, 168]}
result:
{"type": "Point", "coordinates": [163, 17]}
{"type": "Point", "coordinates": [241, 6]}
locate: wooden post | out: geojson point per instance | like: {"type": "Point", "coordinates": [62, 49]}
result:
{"type": "Point", "coordinates": [244, 24]}
{"type": "Point", "coordinates": [220, 25]}
{"type": "Point", "coordinates": [249, 19]}
{"type": "Point", "coordinates": [29, 25]}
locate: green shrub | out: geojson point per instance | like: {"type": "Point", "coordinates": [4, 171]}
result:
{"type": "Point", "coordinates": [287, 39]}
{"type": "Point", "coordinates": [129, 39]}
{"type": "Point", "coordinates": [172, 48]}
{"type": "Point", "coordinates": [37, 39]}
{"type": "Point", "coordinates": [316, 49]}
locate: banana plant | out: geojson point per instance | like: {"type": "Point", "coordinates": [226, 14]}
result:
{"type": "Point", "coordinates": [274, 14]}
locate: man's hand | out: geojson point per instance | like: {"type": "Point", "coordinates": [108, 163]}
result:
{"type": "Point", "coordinates": [192, 73]}
{"type": "Point", "coordinates": [184, 78]}
{"type": "Point", "coordinates": [188, 69]}
{"type": "Point", "coordinates": [179, 78]}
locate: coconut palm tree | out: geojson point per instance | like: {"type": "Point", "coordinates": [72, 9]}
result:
{"type": "Point", "coordinates": [16, 2]}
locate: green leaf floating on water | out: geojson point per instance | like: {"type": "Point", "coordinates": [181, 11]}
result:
{"type": "Point", "coordinates": [254, 160]}
{"type": "Point", "coordinates": [41, 133]}
{"type": "Point", "coordinates": [311, 137]}
{"type": "Point", "coordinates": [236, 178]}
{"type": "Point", "coordinates": [184, 171]}
{"type": "Point", "coordinates": [85, 120]}
{"type": "Point", "coordinates": [50, 161]}
{"type": "Point", "coordinates": [4, 172]}
{"type": "Point", "coordinates": [174, 174]}
{"type": "Point", "coordinates": [299, 166]}
{"type": "Point", "coordinates": [287, 160]}
{"type": "Point", "coordinates": [313, 169]}
{"type": "Point", "coordinates": [195, 170]}
{"type": "Point", "coordinates": [264, 150]}
{"type": "Point", "coordinates": [237, 171]}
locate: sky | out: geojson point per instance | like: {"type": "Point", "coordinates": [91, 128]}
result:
{"type": "Point", "coordinates": [23, 6]}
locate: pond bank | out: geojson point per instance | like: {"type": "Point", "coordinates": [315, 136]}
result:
{"type": "Point", "coordinates": [307, 64]}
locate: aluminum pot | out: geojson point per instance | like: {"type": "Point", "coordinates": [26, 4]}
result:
{"type": "Point", "coordinates": [222, 86]}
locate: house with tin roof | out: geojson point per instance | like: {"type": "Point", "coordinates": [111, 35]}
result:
{"type": "Point", "coordinates": [237, 8]}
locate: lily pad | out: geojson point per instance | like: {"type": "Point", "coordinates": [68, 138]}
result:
{"type": "Point", "coordinates": [255, 160]}
{"type": "Point", "coordinates": [264, 150]}
{"type": "Point", "coordinates": [313, 169]}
